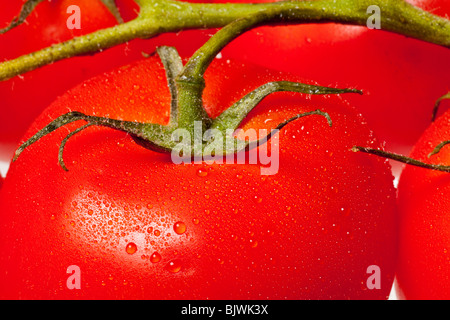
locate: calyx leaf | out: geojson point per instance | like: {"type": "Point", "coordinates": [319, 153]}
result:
{"type": "Point", "coordinates": [26, 10]}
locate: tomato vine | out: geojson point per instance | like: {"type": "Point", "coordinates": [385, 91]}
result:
{"type": "Point", "coordinates": [161, 16]}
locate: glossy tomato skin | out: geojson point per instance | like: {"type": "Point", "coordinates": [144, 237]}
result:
{"type": "Point", "coordinates": [24, 97]}
{"type": "Point", "coordinates": [424, 239]}
{"type": "Point", "coordinates": [401, 77]}
{"type": "Point", "coordinates": [138, 226]}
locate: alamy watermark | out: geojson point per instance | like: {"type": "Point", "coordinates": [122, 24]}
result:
{"type": "Point", "coordinates": [74, 20]}
{"type": "Point", "coordinates": [374, 21]}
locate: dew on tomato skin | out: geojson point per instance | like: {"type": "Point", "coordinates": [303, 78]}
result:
{"type": "Point", "coordinates": [253, 243]}
{"type": "Point", "coordinates": [179, 227]}
{"type": "Point", "coordinates": [155, 257]}
{"type": "Point", "coordinates": [195, 221]}
{"type": "Point", "coordinates": [202, 173]}
{"type": "Point", "coordinates": [258, 199]}
{"type": "Point", "coordinates": [131, 248]}
{"type": "Point", "coordinates": [173, 266]}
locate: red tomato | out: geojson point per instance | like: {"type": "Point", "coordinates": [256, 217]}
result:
{"type": "Point", "coordinates": [138, 226]}
{"type": "Point", "coordinates": [424, 239]}
{"type": "Point", "coordinates": [401, 77]}
{"type": "Point", "coordinates": [24, 97]}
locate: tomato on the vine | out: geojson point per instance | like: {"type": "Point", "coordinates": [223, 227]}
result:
{"type": "Point", "coordinates": [401, 77]}
{"type": "Point", "coordinates": [24, 97]}
{"type": "Point", "coordinates": [138, 226]}
{"type": "Point", "coordinates": [424, 238]}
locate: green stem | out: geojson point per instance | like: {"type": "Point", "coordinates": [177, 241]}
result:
{"type": "Point", "coordinates": [402, 159]}
{"type": "Point", "coordinates": [173, 65]}
{"type": "Point", "coordinates": [438, 148]}
{"type": "Point", "coordinates": [437, 104]}
{"type": "Point", "coordinates": [26, 10]}
{"type": "Point", "coordinates": [160, 16]}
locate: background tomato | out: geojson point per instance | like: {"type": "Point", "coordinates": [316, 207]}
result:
{"type": "Point", "coordinates": [401, 77]}
{"type": "Point", "coordinates": [424, 262]}
{"type": "Point", "coordinates": [139, 226]}
{"type": "Point", "coordinates": [24, 97]}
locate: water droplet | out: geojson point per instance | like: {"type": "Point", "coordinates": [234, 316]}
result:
{"type": "Point", "coordinates": [157, 233]}
{"type": "Point", "coordinates": [155, 257]}
{"type": "Point", "coordinates": [174, 266]}
{"type": "Point", "coordinates": [179, 227]}
{"type": "Point", "coordinates": [131, 248]}
{"type": "Point", "coordinates": [253, 243]}
{"type": "Point", "coordinates": [258, 199]}
{"type": "Point", "coordinates": [195, 221]}
{"type": "Point", "coordinates": [202, 173]}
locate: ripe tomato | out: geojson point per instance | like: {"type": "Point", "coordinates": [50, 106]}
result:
{"type": "Point", "coordinates": [424, 239]}
{"type": "Point", "coordinates": [24, 97]}
{"type": "Point", "coordinates": [401, 77]}
{"type": "Point", "coordinates": [138, 226]}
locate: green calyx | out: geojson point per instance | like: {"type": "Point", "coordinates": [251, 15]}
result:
{"type": "Point", "coordinates": [26, 10]}
{"type": "Point", "coordinates": [186, 82]}
{"type": "Point", "coordinates": [191, 133]}
{"type": "Point", "coordinates": [188, 118]}
{"type": "Point", "coordinates": [437, 104]}
{"type": "Point", "coordinates": [407, 160]}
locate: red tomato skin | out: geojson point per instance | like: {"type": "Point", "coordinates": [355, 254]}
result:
{"type": "Point", "coordinates": [424, 232]}
{"type": "Point", "coordinates": [25, 97]}
{"type": "Point", "coordinates": [299, 234]}
{"type": "Point", "coordinates": [401, 77]}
